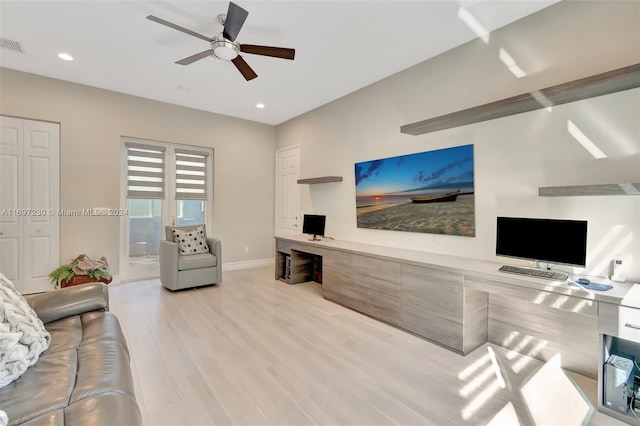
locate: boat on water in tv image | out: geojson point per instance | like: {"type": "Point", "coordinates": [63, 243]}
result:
{"type": "Point", "coordinates": [450, 196]}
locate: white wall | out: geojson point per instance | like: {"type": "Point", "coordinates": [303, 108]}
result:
{"type": "Point", "coordinates": [92, 122]}
{"type": "Point", "coordinates": [513, 155]}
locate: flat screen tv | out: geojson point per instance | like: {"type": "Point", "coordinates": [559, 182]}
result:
{"type": "Point", "coordinates": [547, 240]}
{"type": "Point", "coordinates": [313, 224]}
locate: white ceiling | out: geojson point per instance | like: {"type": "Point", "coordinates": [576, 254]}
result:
{"type": "Point", "coordinates": [341, 46]}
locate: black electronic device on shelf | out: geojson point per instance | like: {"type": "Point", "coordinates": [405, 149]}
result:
{"type": "Point", "coordinates": [313, 224]}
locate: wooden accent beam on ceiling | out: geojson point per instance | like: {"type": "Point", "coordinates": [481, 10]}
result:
{"type": "Point", "coordinates": [597, 85]}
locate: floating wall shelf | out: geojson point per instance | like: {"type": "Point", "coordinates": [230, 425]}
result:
{"type": "Point", "coordinates": [322, 179]}
{"type": "Point", "coordinates": [601, 84]}
{"type": "Point", "coordinates": [580, 190]}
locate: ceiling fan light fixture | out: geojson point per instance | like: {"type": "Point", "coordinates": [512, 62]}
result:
{"type": "Point", "coordinates": [225, 50]}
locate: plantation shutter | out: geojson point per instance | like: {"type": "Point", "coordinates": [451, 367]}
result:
{"type": "Point", "coordinates": [145, 171]}
{"type": "Point", "coordinates": [191, 174]}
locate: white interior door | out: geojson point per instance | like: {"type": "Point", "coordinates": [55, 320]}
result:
{"type": "Point", "coordinates": [287, 193]}
{"type": "Point", "coordinates": [29, 202]}
{"type": "Point", "coordinates": [11, 196]}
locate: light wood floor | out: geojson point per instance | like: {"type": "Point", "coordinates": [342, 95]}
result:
{"type": "Point", "coordinates": [255, 351]}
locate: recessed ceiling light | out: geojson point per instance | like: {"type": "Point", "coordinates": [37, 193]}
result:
{"type": "Point", "coordinates": [260, 106]}
{"type": "Point", "coordinates": [65, 56]}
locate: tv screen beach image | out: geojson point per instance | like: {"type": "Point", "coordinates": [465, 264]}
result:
{"type": "Point", "coordinates": [429, 192]}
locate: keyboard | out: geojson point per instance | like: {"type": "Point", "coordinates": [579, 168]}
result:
{"type": "Point", "coordinates": [536, 273]}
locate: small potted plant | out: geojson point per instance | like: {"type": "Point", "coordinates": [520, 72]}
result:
{"type": "Point", "coordinates": [81, 270]}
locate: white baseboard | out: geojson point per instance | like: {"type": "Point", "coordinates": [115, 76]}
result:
{"type": "Point", "coordinates": [232, 266]}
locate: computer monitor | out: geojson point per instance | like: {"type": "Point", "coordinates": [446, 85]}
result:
{"type": "Point", "coordinates": [546, 240]}
{"type": "Point", "coordinates": [313, 224]}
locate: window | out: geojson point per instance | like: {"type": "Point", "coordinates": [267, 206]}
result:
{"type": "Point", "coordinates": [190, 212]}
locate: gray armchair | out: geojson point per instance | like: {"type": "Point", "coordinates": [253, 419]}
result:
{"type": "Point", "coordinates": [194, 270]}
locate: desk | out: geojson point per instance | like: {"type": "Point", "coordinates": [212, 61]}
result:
{"type": "Point", "coordinates": [457, 302]}
{"type": "Point", "coordinates": [461, 303]}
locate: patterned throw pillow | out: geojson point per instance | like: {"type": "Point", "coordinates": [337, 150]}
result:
{"type": "Point", "coordinates": [192, 241]}
{"type": "Point", "coordinates": [22, 335]}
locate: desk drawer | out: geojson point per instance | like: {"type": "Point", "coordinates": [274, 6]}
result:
{"type": "Point", "coordinates": [620, 321]}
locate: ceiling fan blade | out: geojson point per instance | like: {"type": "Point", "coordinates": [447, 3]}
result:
{"type": "Point", "coordinates": [178, 27]}
{"type": "Point", "coordinates": [244, 68]}
{"type": "Point", "coordinates": [191, 59]}
{"type": "Point", "coordinates": [234, 21]}
{"type": "Point", "coordinates": [276, 52]}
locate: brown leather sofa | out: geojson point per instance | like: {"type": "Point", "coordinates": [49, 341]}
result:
{"type": "Point", "coordinates": [84, 378]}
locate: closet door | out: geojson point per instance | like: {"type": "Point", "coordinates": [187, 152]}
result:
{"type": "Point", "coordinates": [11, 198]}
{"type": "Point", "coordinates": [29, 202]}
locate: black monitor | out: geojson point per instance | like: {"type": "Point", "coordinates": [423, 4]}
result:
{"type": "Point", "coordinates": [313, 224]}
{"type": "Point", "coordinates": [546, 240]}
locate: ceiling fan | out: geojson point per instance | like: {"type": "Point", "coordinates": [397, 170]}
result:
{"type": "Point", "coordinates": [224, 47]}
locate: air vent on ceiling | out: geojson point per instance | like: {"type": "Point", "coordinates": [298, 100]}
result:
{"type": "Point", "coordinates": [12, 45]}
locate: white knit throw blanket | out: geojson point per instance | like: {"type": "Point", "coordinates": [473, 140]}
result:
{"type": "Point", "coordinates": [22, 334]}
